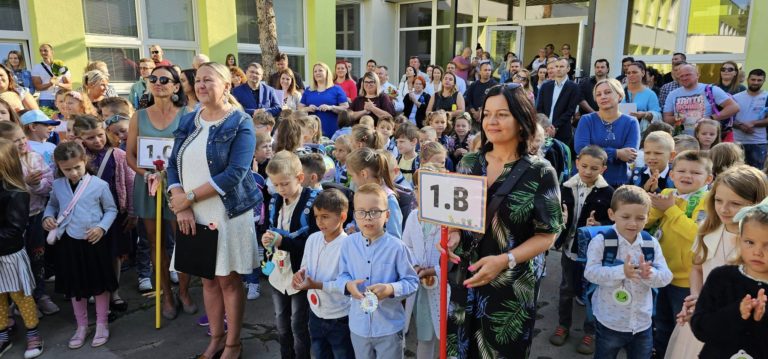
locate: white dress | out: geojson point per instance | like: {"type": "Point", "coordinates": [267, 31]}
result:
{"type": "Point", "coordinates": [237, 249]}
{"type": "Point", "coordinates": [683, 344]}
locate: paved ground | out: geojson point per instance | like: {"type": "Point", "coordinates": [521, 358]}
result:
{"type": "Point", "coordinates": [134, 336]}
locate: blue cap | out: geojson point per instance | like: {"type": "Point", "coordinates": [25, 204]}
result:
{"type": "Point", "coordinates": [37, 116]}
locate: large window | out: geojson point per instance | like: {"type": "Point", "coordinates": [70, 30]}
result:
{"type": "Point", "coordinates": [289, 16]}
{"type": "Point", "coordinates": [10, 13]}
{"type": "Point", "coordinates": [711, 27]}
{"type": "Point", "coordinates": [12, 30]}
{"type": "Point", "coordinates": [545, 9]}
{"type": "Point", "coordinates": [348, 45]}
{"type": "Point", "coordinates": [120, 32]}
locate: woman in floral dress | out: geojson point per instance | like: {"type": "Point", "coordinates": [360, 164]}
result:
{"type": "Point", "coordinates": [492, 308]}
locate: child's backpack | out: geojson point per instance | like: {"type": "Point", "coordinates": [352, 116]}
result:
{"type": "Point", "coordinates": [414, 165]}
{"type": "Point", "coordinates": [273, 215]}
{"type": "Point", "coordinates": [611, 240]}
{"type": "Point", "coordinates": [726, 125]}
{"type": "Point", "coordinates": [559, 156]}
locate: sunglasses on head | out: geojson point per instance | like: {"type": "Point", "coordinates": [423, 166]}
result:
{"type": "Point", "coordinates": [115, 119]}
{"type": "Point", "coordinates": [163, 79]}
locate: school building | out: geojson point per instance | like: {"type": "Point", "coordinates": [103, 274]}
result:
{"type": "Point", "coordinates": [120, 32]}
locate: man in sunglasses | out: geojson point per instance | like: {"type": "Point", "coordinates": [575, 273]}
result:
{"type": "Point", "coordinates": [157, 56]}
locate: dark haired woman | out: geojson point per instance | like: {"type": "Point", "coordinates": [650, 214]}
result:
{"type": "Point", "coordinates": [494, 308]}
{"type": "Point", "coordinates": [729, 78]}
{"type": "Point", "coordinates": [231, 61]}
{"type": "Point", "coordinates": [159, 119]}
{"type": "Point", "coordinates": [187, 80]}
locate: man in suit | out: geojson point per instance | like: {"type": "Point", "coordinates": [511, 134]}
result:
{"type": "Point", "coordinates": [255, 95]}
{"type": "Point", "coordinates": [558, 100]}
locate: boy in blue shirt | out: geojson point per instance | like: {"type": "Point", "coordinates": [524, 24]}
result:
{"type": "Point", "coordinates": [374, 263]}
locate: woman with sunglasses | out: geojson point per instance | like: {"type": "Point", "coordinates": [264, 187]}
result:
{"type": "Point", "coordinates": [497, 290]}
{"type": "Point", "coordinates": [18, 97]}
{"type": "Point", "coordinates": [617, 133]}
{"type": "Point", "coordinates": [729, 78]}
{"type": "Point", "coordinates": [160, 119]}
{"type": "Point", "coordinates": [523, 77]}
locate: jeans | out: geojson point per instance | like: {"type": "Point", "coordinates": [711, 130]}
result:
{"type": "Point", "coordinates": [330, 337]}
{"type": "Point", "coordinates": [143, 262]}
{"type": "Point", "coordinates": [570, 287]}
{"type": "Point", "coordinates": [609, 342]}
{"type": "Point", "coordinates": [386, 347]}
{"type": "Point", "coordinates": [754, 155]}
{"type": "Point", "coordinates": [668, 303]}
{"type": "Point", "coordinates": [292, 315]}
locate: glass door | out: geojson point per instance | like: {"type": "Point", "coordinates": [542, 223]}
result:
{"type": "Point", "coordinates": [501, 39]}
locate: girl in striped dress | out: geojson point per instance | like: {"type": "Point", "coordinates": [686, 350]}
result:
{"type": "Point", "coordinates": [16, 280]}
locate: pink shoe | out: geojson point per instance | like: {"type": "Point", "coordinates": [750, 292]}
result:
{"type": "Point", "coordinates": [78, 339]}
{"type": "Point", "coordinates": [101, 336]}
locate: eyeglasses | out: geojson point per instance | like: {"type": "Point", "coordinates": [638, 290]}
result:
{"type": "Point", "coordinates": [164, 80]}
{"type": "Point", "coordinates": [521, 77]}
{"type": "Point", "coordinates": [510, 86]}
{"type": "Point", "coordinates": [369, 82]}
{"type": "Point", "coordinates": [372, 214]}
{"type": "Point", "coordinates": [155, 52]}
{"type": "Point", "coordinates": [115, 119]}
{"type": "Point", "coordinates": [727, 69]}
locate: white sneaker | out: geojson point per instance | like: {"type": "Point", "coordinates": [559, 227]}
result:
{"type": "Point", "coordinates": [254, 291]}
{"type": "Point", "coordinates": [175, 277]}
{"type": "Point", "coordinates": [47, 306]}
{"type": "Point", "coordinates": [145, 285]}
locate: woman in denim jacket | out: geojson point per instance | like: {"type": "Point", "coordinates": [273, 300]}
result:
{"type": "Point", "coordinates": [223, 193]}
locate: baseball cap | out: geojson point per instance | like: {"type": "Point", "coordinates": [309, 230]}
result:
{"type": "Point", "coordinates": [37, 116]}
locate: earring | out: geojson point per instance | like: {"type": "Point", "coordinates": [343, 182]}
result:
{"type": "Point", "coordinates": [175, 98]}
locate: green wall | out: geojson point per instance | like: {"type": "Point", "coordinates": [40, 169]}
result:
{"type": "Point", "coordinates": [321, 32]}
{"type": "Point", "coordinates": [218, 28]}
{"type": "Point", "coordinates": [757, 47]}
{"type": "Point", "coordinates": [66, 33]}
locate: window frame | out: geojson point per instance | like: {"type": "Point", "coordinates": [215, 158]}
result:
{"type": "Point", "coordinates": [354, 54]}
{"type": "Point", "coordinates": [142, 41]}
{"type": "Point", "coordinates": [23, 37]}
{"type": "Point", "coordinates": [681, 39]}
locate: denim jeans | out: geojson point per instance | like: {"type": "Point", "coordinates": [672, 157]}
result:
{"type": "Point", "coordinates": [609, 342]}
{"type": "Point", "coordinates": [143, 261]}
{"type": "Point", "coordinates": [754, 155]}
{"type": "Point", "coordinates": [330, 337]}
{"type": "Point", "coordinates": [668, 303]}
{"type": "Point", "coordinates": [292, 315]}
{"type": "Point", "coordinates": [570, 287]}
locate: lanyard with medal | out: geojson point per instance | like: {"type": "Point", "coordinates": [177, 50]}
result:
{"type": "Point", "coordinates": [370, 301]}
{"type": "Point", "coordinates": [267, 266]}
{"type": "Point", "coordinates": [621, 295]}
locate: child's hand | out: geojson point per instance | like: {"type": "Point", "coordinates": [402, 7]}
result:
{"type": "Point", "coordinates": [630, 270]}
{"type": "Point", "coordinates": [34, 178]}
{"type": "Point", "coordinates": [745, 307]}
{"type": "Point", "coordinates": [759, 305]}
{"type": "Point", "coordinates": [352, 288]}
{"type": "Point", "coordinates": [93, 235]}
{"type": "Point", "coordinates": [565, 212]}
{"type": "Point", "coordinates": [645, 269]}
{"type": "Point", "coordinates": [591, 221]}
{"type": "Point", "coordinates": [49, 224]}
{"type": "Point", "coordinates": [689, 305]}
{"type": "Point", "coordinates": [271, 239]}
{"type": "Point", "coordinates": [662, 202]}
{"type": "Point", "coordinates": [382, 291]}
{"type": "Point", "coordinates": [301, 281]}
{"type": "Point", "coordinates": [426, 272]}
{"type": "Point", "coordinates": [652, 184]}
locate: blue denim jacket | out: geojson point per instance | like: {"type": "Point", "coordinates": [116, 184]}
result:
{"type": "Point", "coordinates": [230, 149]}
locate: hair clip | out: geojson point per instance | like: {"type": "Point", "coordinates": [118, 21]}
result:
{"type": "Point", "coordinates": [745, 212]}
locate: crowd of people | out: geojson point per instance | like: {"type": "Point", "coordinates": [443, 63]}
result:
{"type": "Point", "coordinates": [652, 187]}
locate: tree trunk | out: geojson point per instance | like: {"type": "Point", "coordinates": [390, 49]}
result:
{"type": "Point", "coordinates": [265, 12]}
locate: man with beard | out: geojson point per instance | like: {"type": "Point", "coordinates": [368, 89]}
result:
{"type": "Point", "coordinates": [751, 120]}
{"type": "Point", "coordinates": [602, 68]}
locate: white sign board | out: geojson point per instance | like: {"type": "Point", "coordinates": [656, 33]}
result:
{"type": "Point", "coordinates": [152, 149]}
{"type": "Point", "coordinates": [453, 200]}
{"type": "Point", "coordinates": [627, 108]}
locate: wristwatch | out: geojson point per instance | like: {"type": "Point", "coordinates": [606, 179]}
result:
{"type": "Point", "coordinates": [511, 261]}
{"type": "Point", "coordinates": [191, 196]}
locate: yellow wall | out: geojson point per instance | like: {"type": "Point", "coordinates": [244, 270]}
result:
{"type": "Point", "coordinates": [757, 47]}
{"type": "Point", "coordinates": [218, 28]}
{"type": "Point", "coordinates": [537, 36]}
{"type": "Point", "coordinates": [66, 33]}
{"type": "Point", "coordinates": [321, 32]}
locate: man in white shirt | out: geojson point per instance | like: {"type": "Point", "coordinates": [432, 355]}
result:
{"type": "Point", "coordinates": [461, 84]}
{"type": "Point", "coordinates": [391, 90]}
{"type": "Point", "coordinates": [749, 125]}
{"type": "Point", "coordinates": [46, 81]}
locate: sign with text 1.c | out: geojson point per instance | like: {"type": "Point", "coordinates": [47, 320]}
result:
{"type": "Point", "coordinates": [453, 200]}
{"type": "Point", "coordinates": [151, 149]}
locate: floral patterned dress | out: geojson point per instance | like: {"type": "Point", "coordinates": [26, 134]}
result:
{"type": "Point", "coordinates": [496, 320]}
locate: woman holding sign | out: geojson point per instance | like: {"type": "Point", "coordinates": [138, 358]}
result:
{"type": "Point", "coordinates": [492, 297]}
{"type": "Point", "coordinates": [149, 129]}
{"type": "Point", "coordinates": [220, 196]}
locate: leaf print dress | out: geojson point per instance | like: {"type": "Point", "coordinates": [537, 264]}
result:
{"type": "Point", "coordinates": [496, 320]}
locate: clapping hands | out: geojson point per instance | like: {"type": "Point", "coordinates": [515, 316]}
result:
{"type": "Point", "coordinates": [754, 307]}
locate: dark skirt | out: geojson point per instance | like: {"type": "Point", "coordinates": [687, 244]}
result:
{"type": "Point", "coordinates": [84, 269]}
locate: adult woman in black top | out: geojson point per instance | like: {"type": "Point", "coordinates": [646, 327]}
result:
{"type": "Point", "coordinates": [448, 98]}
{"type": "Point", "coordinates": [415, 102]}
{"type": "Point", "coordinates": [371, 101]}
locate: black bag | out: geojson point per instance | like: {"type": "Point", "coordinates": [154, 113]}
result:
{"type": "Point", "coordinates": [196, 255]}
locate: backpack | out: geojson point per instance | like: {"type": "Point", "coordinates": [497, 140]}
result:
{"type": "Point", "coordinates": [414, 165]}
{"type": "Point", "coordinates": [726, 125]}
{"type": "Point", "coordinates": [273, 215]}
{"type": "Point", "coordinates": [561, 154]}
{"type": "Point", "coordinates": [611, 240]}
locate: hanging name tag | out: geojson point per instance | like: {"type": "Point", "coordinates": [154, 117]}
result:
{"type": "Point", "coordinates": [267, 268]}
{"type": "Point", "coordinates": [370, 302]}
{"type": "Point", "coordinates": [621, 296]}
{"type": "Point", "coordinates": [741, 355]}
{"type": "Point", "coordinates": [429, 282]}
{"type": "Point", "coordinates": [314, 299]}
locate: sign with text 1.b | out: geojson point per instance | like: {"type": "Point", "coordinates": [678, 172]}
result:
{"type": "Point", "coordinates": [153, 148]}
{"type": "Point", "coordinates": [452, 200]}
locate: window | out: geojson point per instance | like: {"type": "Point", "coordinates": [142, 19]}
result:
{"type": "Point", "coordinates": [7, 46]}
{"type": "Point", "coordinates": [415, 43]}
{"type": "Point", "coordinates": [348, 27]}
{"type": "Point", "coordinates": [416, 15]}
{"type": "Point", "coordinates": [110, 17]}
{"type": "Point", "coordinates": [123, 63]}
{"type": "Point", "coordinates": [10, 12]}
{"type": "Point", "coordinates": [545, 9]}
{"type": "Point", "coordinates": [357, 71]}
{"type": "Point", "coordinates": [717, 27]}
{"type": "Point", "coordinates": [183, 58]}
{"type": "Point", "coordinates": [170, 19]}
{"type": "Point", "coordinates": [290, 27]}
{"type": "Point", "coordinates": [652, 27]}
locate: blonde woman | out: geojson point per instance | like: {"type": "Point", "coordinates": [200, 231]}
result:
{"type": "Point", "coordinates": [95, 85]}
{"type": "Point", "coordinates": [324, 99]}
{"type": "Point", "coordinates": [523, 77]}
